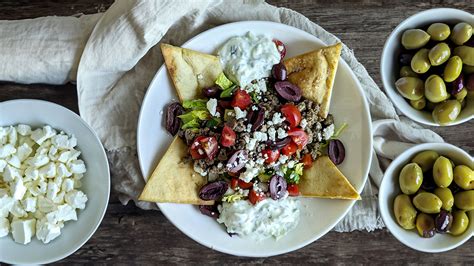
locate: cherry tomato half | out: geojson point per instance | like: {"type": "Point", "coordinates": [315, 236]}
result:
{"type": "Point", "coordinates": [245, 185]}
{"type": "Point", "coordinates": [292, 114]}
{"type": "Point", "coordinates": [270, 156]}
{"type": "Point", "coordinates": [299, 137]}
{"type": "Point", "coordinates": [289, 149]}
{"type": "Point", "coordinates": [293, 190]}
{"type": "Point", "coordinates": [255, 197]}
{"type": "Point", "coordinates": [307, 161]}
{"type": "Point", "coordinates": [204, 146]}
{"type": "Point", "coordinates": [280, 47]}
{"type": "Point", "coordinates": [227, 136]}
{"type": "Point", "coordinates": [234, 182]}
{"type": "Point", "coordinates": [241, 99]}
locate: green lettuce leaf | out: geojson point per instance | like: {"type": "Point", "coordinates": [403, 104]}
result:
{"type": "Point", "coordinates": [198, 104]}
{"type": "Point", "coordinates": [223, 81]}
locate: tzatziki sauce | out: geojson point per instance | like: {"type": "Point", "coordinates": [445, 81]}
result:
{"type": "Point", "coordinates": [249, 57]}
{"type": "Point", "coordinates": [268, 218]}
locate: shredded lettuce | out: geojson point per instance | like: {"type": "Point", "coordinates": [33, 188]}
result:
{"type": "Point", "coordinates": [213, 122]}
{"type": "Point", "coordinates": [198, 104]}
{"type": "Point", "coordinates": [191, 124]}
{"type": "Point", "coordinates": [191, 119]}
{"type": "Point", "coordinates": [292, 175]}
{"type": "Point", "coordinates": [232, 198]}
{"type": "Point", "coordinates": [223, 81]}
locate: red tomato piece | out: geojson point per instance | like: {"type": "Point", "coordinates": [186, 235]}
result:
{"type": "Point", "coordinates": [204, 146]}
{"type": "Point", "coordinates": [292, 114]}
{"type": "Point", "coordinates": [281, 48]}
{"type": "Point", "coordinates": [293, 190]}
{"type": "Point", "coordinates": [245, 185]}
{"type": "Point", "coordinates": [255, 197]}
{"type": "Point", "coordinates": [234, 182]}
{"type": "Point", "coordinates": [307, 160]}
{"type": "Point", "coordinates": [241, 99]}
{"type": "Point", "coordinates": [299, 137]}
{"type": "Point", "coordinates": [228, 136]}
{"type": "Point", "coordinates": [270, 156]}
{"type": "Point", "coordinates": [196, 150]}
{"type": "Point", "coordinates": [289, 149]}
{"type": "Point", "coordinates": [209, 144]}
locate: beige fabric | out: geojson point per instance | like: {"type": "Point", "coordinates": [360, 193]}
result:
{"type": "Point", "coordinates": [122, 56]}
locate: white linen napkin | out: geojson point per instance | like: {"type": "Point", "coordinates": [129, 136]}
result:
{"type": "Point", "coordinates": [113, 57]}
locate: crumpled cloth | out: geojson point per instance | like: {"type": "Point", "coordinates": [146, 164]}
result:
{"type": "Point", "coordinates": [113, 56]}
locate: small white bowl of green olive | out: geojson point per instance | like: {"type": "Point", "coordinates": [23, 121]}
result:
{"type": "Point", "coordinates": [426, 197]}
{"type": "Point", "coordinates": [427, 67]}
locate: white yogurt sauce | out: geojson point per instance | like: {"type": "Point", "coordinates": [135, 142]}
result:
{"type": "Point", "coordinates": [268, 218]}
{"type": "Point", "coordinates": [249, 57]}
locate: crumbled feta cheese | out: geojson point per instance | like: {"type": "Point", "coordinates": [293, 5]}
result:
{"type": "Point", "coordinates": [17, 210]}
{"type": "Point", "coordinates": [76, 199]}
{"type": "Point", "coordinates": [7, 150]}
{"type": "Point", "coordinates": [283, 158]}
{"type": "Point", "coordinates": [12, 136]}
{"type": "Point", "coordinates": [212, 107]}
{"type": "Point", "coordinates": [249, 128]}
{"type": "Point", "coordinates": [40, 135]}
{"type": "Point", "coordinates": [271, 133]}
{"type": "Point", "coordinates": [4, 227]}
{"type": "Point", "coordinates": [31, 173]}
{"type": "Point", "coordinates": [254, 108]}
{"type": "Point", "coordinates": [46, 205]}
{"type": "Point", "coordinates": [281, 133]}
{"type": "Point", "coordinates": [6, 204]}
{"type": "Point", "coordinates": [328, 132]}
{"type": "Point", "coordinates": [52, 191]}
{"type": "Point", "coordinates": [63, 142]}
{"type": "Point", "coordinates": [277, 118]}
{"type": "Point", "coordinates": [239, 113]}
{"type": "Point", "coordinates": [198, 169]}
{"type": "Point", "coordinates": [250, 173]}
{"type": "Point", "coordinates": [23, 230]}
{"type": "Point", "coordinates": [77, 167]}
{"type": "Point", "coordinates": [38, 160]}
{"type": "Point", "coordinates": [10, 173]}
{"type": "Point", "coordinates": [3, 163]}
{"type": "Point", "coordinates": [29, 204]}
{"type": "Point", "coordinates": [291, 164]}
{"type": "Point", "coordinates": [23, 130]}
{"type": "Point", "coordinates": [24, 151]}
{"type": "Point", "coordinates": [46, 231]}
{"type": "Point", "coordinates": [303, 123]}
{"type": "Point", "coordinates": [14, 161]}
{"type": "Point", "coordinates": [251, 144]}
{"type": "Point", "coordinates": [18, 189]}
{"type": "Point", "coordinates": [260, 136]}
{"type": "Point", "coordinates": [48, 171]}
{"type": "Point", "coordinates": [64, 213]}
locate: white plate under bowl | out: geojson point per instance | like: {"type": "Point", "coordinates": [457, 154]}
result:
{"type": "Point", "coordinates": [95, 183]}
{"type": "Point", "coordinates": [390, 188]}
{"type": "Point", "coordinates": [318, 216]}
{"type": "Point", "coordinates": [389, 67]}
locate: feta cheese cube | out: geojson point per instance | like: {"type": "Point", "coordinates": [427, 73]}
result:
{"type": "Point", "coordinates": [239, 113]}
{"type": "Point", "coordinates": [14, 161]}
{"type": "Point", "coordinates": [281, 133]}
{"type": "Point", "coordinates": [212, 107]}
{"type": "Point", "coordinates": [328, 132]}
{"type": "Point", "coordinates": [62, 170]}
{"type": "Point", "coordinates": [6, 204]}
{"type": "Point", "coordinates": [3, 163]}
{"type": "Point", "coordinates": [77, 199]}
{"type": "Point", "coordinates": [46, 232]}
{"type": "Point", "coordinates": [23, 130]}
{"type": "Point", "coordinates": [38, 187]}
{"type": "Point", "coordinates": [17, 210]}
{"type": "Point", "coordinates": [48, 171]}
{"type": "Point", "coordinates": [4, 227]}
{"type": "Point", "coordinates": [23, 152]}
{"type": "Point", "coordinates": [271, 133]}
{"type": "Point", "coordinates": [6, 150]}
{"type": "Point", "coordinates": [10, 173]}
{"type": "Point", "coordinates": [64, 213]}
{"type": "Point", "coordinates": [77, 166]}
{"type": "Point", "coordinates": [31, 173]}
{"type": "Point", "coordinates": [12, 136]}
{"type": "Point", "coordinates": [29, 204]}
{"type": "Point", "coordinates": [46, 205]}
{"type": "Point", "coordinates": [52, 191]}
{"type": "Point", "coordinates": [23, 230]}
{"type": "Point", "coordinates": [40, 135]}
{"type": "Point", "coordinates": [277, 118]}
{"type": "Point", "coordinates": [18, 189]}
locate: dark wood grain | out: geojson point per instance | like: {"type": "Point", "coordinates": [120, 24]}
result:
{"type": "Point", "coordinates": [130, 235]}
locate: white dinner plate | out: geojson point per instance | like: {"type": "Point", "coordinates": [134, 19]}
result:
{"type": "Point", "coordinates": [318, 216]}
{"type": "Point", "coordinates": [95, 183]}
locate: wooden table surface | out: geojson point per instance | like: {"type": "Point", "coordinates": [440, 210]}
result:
{"type": "Point", "coordinates": [129, 235]}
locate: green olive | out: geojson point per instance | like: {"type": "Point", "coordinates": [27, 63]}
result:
{"type": "Point", "coordinates": [465, 52]}
{"type": "Point", "coordinates": [439, 54]}
{"type": "Point", "coordinates": [439, 31]}
{"type": "Point", "coordinates": [414, 39]}
{"type": "Point", "coordinates": [461, 95]}
{"type": "Point", "coordinates": [420, 63]}
{"type": "Point", "coordinates": [452, 69]}
{"type": "Point", "coordinates": [460, 223]}
{"type": "Point", "coordinates": [404, 211]}
{"type": "Point", "coordinates": [468, 69]}
{"type": "Point", "coordinates": [410, 178]}
{"type": "Point", "coordinates": [443, 172]}
{"type": "Point", "coordinates": [418, 104]}
{"type": "Point", "coordinates": [425, 225]}
{"type": "Point", "coordinates": [406, 71]}
{"type": "Point", "coordinates": [446, 112]}
{"type": "Point", "coordinates": [425, 159]}
{"type": "Point", "coordinates": [435, 89]}
{"type": "Point", "coordinates": [427, 202]}
{"type": "Point", "coordinates": [446, 196]}
{"type": "Point", "coordinates": [410, 87]}
{"type": "Point", "coordinates": [464, 177]}
{"type": "Point", "coordinates": [464, 200]}
{"type": "Point", "coordinates": [462, 32]}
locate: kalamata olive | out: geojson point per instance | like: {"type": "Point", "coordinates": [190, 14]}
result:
{"type": "Point", "coordinates": [336, 151]}
{"type": "Point", "coordinates": [278, 144]}
{"type": "Point", "coordinates": [237, 161]}
{"type": "Point", "coordinates": [470, 82]}
{"type": "Point", "coordinates": [443, 221]}
{"type": "Point", "coordinates": [213, 191]}
{"type": "Point", "coordinates": [224, 104]}
{"type": "Point", "coordinates": [428, 182]}
{"type": "Point", "coordinates": [405, 59]}
{"type": "Point", "coordinates": [209, 210]}
{"type": "Point", "coordinates": [458, 85]}
{"type": "Point", "coordinates": [173, 123]}
{"type": "Point", "coordinates": [277, 187]}
{"type": "Point", "coordinates": [211, 92]}
{"type": "Point", "coordinates": [425, 225]}
{"type": "Point", "coordinates": [288, 91]}
{"type": "Point", "coordinates": [255, 118]}
{"type": "Point", "coordinates": [279, 72]}
{"type": "Point", "coordinates": [470, 43]}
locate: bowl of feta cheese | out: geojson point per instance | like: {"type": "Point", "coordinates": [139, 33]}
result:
{"type": "Point", "coordinates": [54, 182]}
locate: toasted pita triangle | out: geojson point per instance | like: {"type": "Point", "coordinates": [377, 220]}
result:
{"type": "Point", "coordinates": [190, 71]}
{"type": "Point", "coordinates": [174, 181]}
{"type": "Point", "coordinates": [324, 180]}
{"type": "Point", "coordinates": [314, 73]}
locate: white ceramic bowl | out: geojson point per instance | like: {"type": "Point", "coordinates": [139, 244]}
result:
{"type": "Point", "coordinates": [389, 67]}
{"type": "Point", "coordinates": [96, 182]}
{"type": "Point", "coordinates": [390, 188]}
